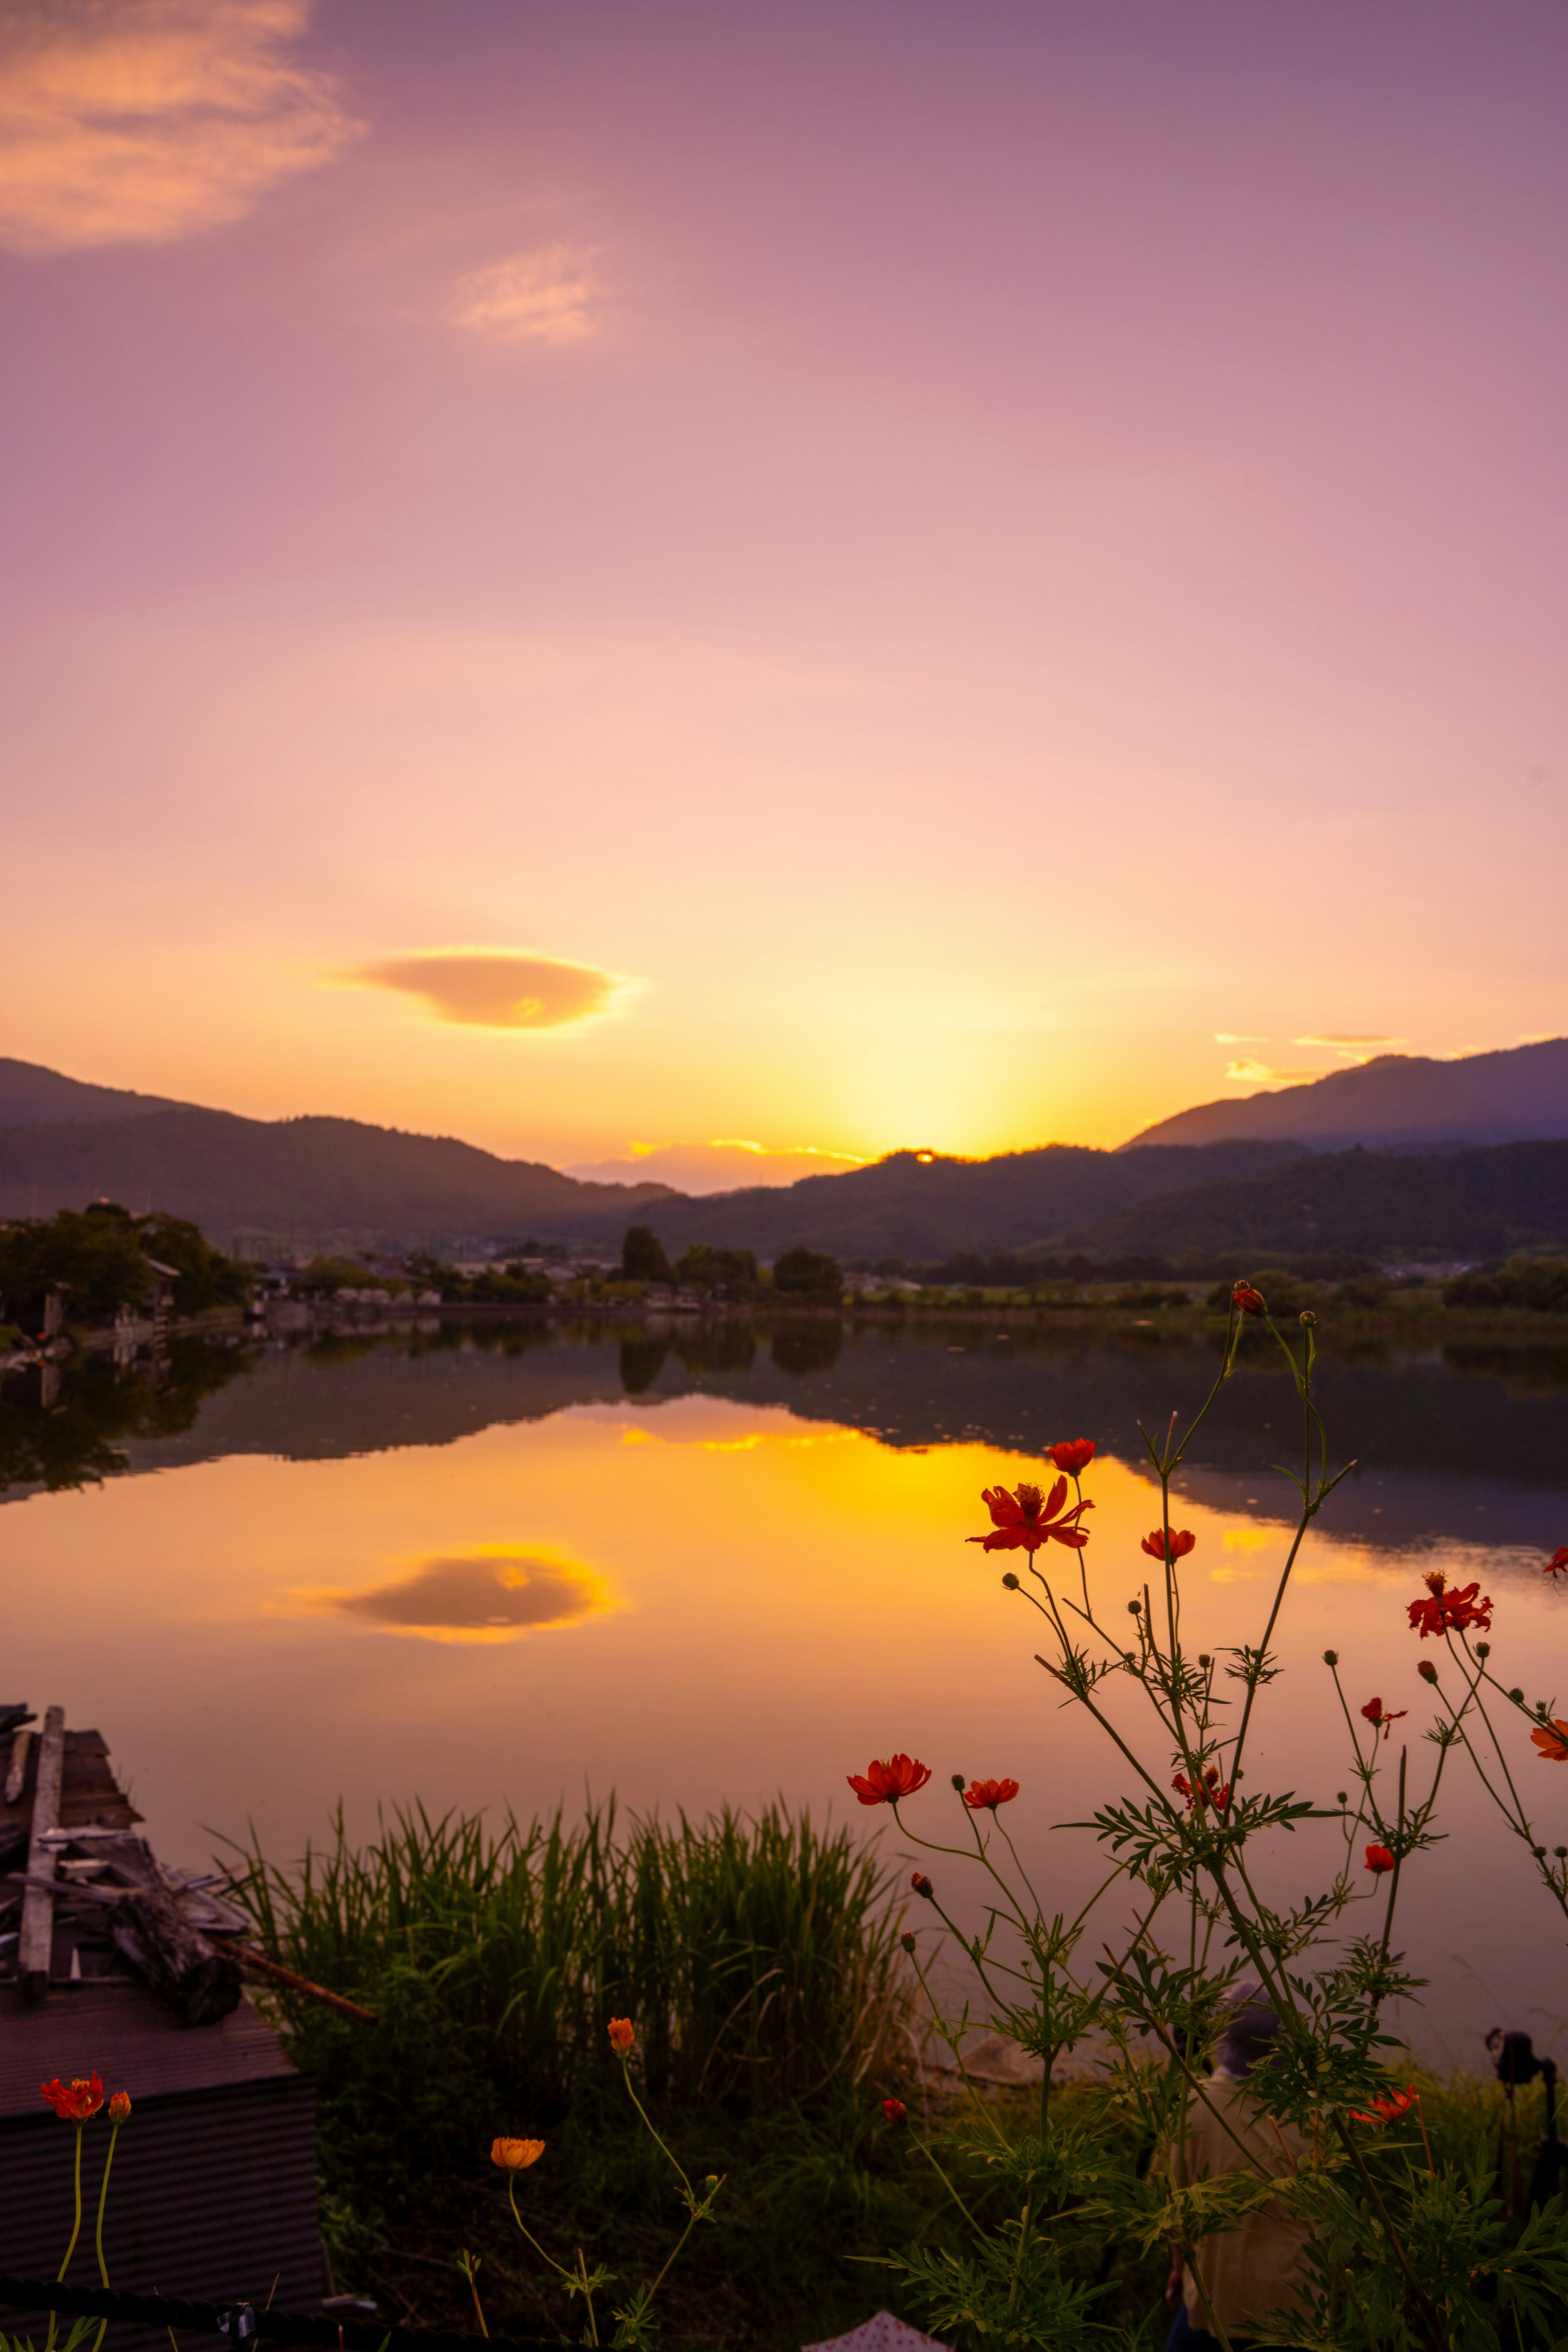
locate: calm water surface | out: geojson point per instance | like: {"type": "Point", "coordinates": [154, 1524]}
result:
{"type": "Point", "coordinates": [509, 1566]}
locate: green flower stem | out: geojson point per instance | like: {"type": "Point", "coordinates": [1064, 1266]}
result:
{"type": "Point", "coordinates": [98, 2234]}
{"type": "Point", "coordinates": [76, 2232]}
{"type": "Point", "coordinates": [517, 2217]}
{"type": "Point", "coordinates": [468, 2264]}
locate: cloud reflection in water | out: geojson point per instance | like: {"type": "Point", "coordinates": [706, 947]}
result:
{"type": "Point", "coordinates": [493, 1593]}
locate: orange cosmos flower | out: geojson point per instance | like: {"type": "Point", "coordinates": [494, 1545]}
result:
{"type": "Point", "coordinates": [76, 2100]}
{"type": "Point", "coordinates": [888, 1778]}
{"type": "Point", "coordinates": [1392, 2103]}
{"type": "Point", "coordinates": [1554, 1743]}
{"type": "Point", "coordinates": [1248, 1300]}
{"type": "Point", "coordinates": [1074, 1455]}
{"type": "Point", "coordinates": [119, 2107]}
{"type": "Point", "coordinates": [1378, 1860]}
{"type": "Point", "coordinates": [623, 2034]}
{"type": "Point", "coordinates": [985, 1796]}
{"type": "Point", "coordinates": [1025, 1518]}
{"type": "Point", "coordinates": [1450, 1609]}
{"type": "Point", "coordinates": [1182, 1543]}
{"type": "Point", "coordinates": [516, 2155]}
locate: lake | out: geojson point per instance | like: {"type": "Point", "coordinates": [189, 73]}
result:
{"type": "Point", "coordinates": [519, 1565]}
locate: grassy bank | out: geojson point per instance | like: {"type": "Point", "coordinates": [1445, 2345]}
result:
{"type": "Point", "coordinates": [761, 1961]}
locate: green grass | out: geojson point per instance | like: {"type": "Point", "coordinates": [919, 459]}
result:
{"type": "Point", "coordinates": [759, 1959]}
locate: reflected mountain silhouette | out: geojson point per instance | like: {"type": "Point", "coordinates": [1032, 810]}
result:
{"type": "Point", "coordinates": [1472, 1443]}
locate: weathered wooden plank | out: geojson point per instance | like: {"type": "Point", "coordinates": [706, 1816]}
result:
{"type": "Point", "coordinates": [39, 1903]}
{"type": "Point", "coordinates": [181, 1966]}
{"type": "Point", "coordinates": [19, 1772]}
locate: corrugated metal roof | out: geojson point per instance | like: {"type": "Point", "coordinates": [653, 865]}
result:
{"type": "Point", "coordinates": [134, 2042]}
{"type": "Point", "coordinates": [213, 2196]}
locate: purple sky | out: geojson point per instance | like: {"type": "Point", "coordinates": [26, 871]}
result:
{"type": "Point", "coordinates": [976, 566]}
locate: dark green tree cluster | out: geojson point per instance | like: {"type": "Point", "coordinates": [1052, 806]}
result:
{"type": "Point", "coordinates": [808, 1274]}
{"type": "Point", "coordinates": [643, 1258]}
{"type": "Point", "coordinates": [100, 1258]}
{"type": "Point", "coordinates": [732, 1271]}
{"type": "Point", "coordinates": [1537, 1284]}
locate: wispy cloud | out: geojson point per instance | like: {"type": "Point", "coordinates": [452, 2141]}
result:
{"type": "Point", "coordinates": [1238, 1037]}
{"type": "Point", "coordinates": [136, 121]}
{"type": "Point", "coordinates": [1354, 1048]}
{"type": "Point", "coordinates": [494, 988]}
{"type": "Point", "coordinates": [545, 297]}
{"type": "Point", "coordinates": [730, 1163]}
{"type": "Point", "coordinates": [1261, 1073]}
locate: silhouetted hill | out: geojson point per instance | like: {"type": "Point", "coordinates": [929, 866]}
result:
{"type": "Point", "coordinates": [918, 1205]}
{"type": "Point", "coordinates": [304, 1176]}
{"type": "Point", "coordinates": [30, 1096]}
{"type": "Point", "coordinates": [1474, 1204]}
{"type": "Point", "coordinates": [1517, 1097]}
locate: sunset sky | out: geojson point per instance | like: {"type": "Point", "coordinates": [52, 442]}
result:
{"type": "Point", "coordinates": [828, 576]}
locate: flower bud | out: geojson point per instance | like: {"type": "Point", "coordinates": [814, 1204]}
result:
{"type": "Point", "coordinates": [119, 2107]}
{"type": "Point", "coordinates": [1009, 1583]}
{"type": "Point", "coordinates": [958, 1783]}
{"type": "Point", "coordinates": [1483, 1649]}
{"type": "Point", "coordinates": [711, 2180]}
{"type": "Point", "coordinates": [922, 1885]}
{"type": "Point", "coordinates": [907, 1940]}
{"type": "Point", "coordinates": [1135, 1609]}
{"type": "Point", "coordinates": [1427, 1671]}
{"type": "Point", "coordinates": [1308, 1318]}
{"type": "Point", "coordinates": [1342, 1797]}
{"type": "Point", "coordinates": [623, 2034]}
{"type": "Point", "coordinates": [1517, 1696]}
{"type": "Point", "coordinates": [1561, 1851]}
{"type": "Point", "coordinates": [1204, 1660]}
{"type": "Point", "coordinates": [1330, 1657]}
{"type": "Point", "coordinates": [895, 2111]}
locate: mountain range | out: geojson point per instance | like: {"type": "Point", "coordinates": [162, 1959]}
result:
{"type": "Point", "coordinates": [1396, 1171]}
{"type": "Point", "coordinates": [1396, 1101]}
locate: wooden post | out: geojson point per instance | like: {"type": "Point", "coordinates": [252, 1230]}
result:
{"type": "Point", "coordinates": [39, 1903]}
{"type": "Point", "coordinates": [17, 1774]}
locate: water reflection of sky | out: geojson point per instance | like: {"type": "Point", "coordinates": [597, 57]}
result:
{"type": "Point", "coordinates": [479, 1580]}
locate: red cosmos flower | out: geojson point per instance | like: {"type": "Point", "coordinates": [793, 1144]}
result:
{"type": "Point", "coordinates": [76, 2100]}
{"type": "Point", "coordinates": [1378, 1860]}
{"type": "Point", "coordinates": [1558, 1563]}
{"type": "Point", "coordinates": [1451, 1609]}
{"type": "Point", "coordinates": [1554, 1743]}
{"type": "Point", "coordinates": [985, 1796]}
{"type": "Point", "coordinates": [1074, 1455]}
{"type": "Point", "coordinates": [1373, 1712]}
{"type": "Point", "coordinates": [885, 1781]}
{"type": "Point", "coordinates": [1024, 1517]}
{"type": "Point", "coordinates": [1248, 1300]}
{"type": "Point", "coordinates": [895, 2111]}
{"type": "Point", "coordinates": [1154, 1544]}
{"type": "Point", "coordinates": [1211, 1791]}
{"type": "Point", "coordinates": [1392, 2103]}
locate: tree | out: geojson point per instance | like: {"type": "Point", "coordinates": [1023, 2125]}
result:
{"type": "Point", "coordinates": [206, 1278]}
{"type": "Point", "coordinates": [804, 1273]}
{"type": "Point", "coordinates": [643, 1257]}
{"type": "Point", "coordinates": [94, 1256]}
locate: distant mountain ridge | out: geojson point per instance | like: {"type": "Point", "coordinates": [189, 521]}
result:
{"type": "Point", "coordinates": [31, 1095]}
{"type": "Point", "coordinates": [1517, 1096]}
{"type": "Point", "coordinates": [922, 1205]}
